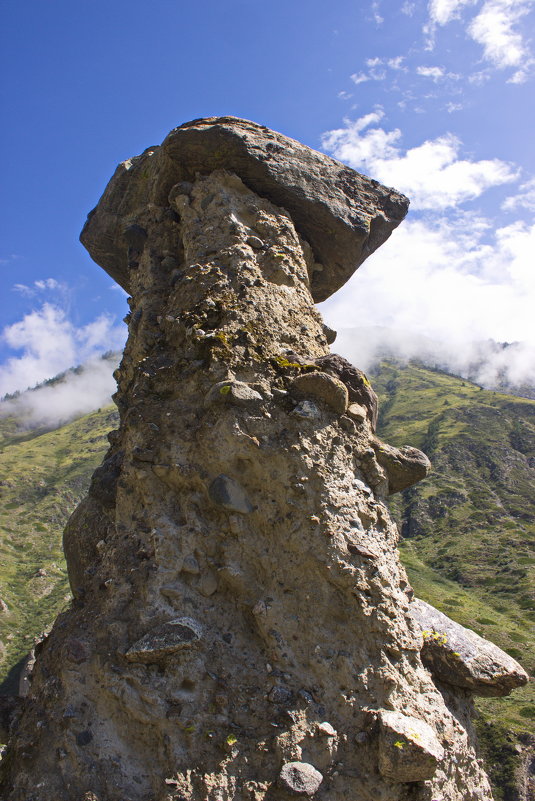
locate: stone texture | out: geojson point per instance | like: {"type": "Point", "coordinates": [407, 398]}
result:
{"type": "Point", "coordinates": [322, 387]}
{"type": "Point", "coordinates": [235, 392]}
{"type": "Point", "coordinates": [261, 522]}
{"type": "Point", "coordinates": [228, 494]}
{"type": "Point", "coordinates": [343, 215]}
{"type": "Point", "coordinates": [164, 640]}
{"type": "Point", "coordinates": [403, 466]}
{"type": "Point", "coordinates": [461, 657]}
{"type": "Point", "coordinates": [409, 750]}
{"type": "Point", "coordinates": [359, 388]}
{"type": "Point", "coordinates": [300, 778]}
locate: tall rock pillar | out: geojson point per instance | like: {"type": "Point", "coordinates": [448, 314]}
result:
{"type": "Point", "coordinates": [240, 627]}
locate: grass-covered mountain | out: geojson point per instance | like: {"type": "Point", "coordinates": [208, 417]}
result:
{"type": "Point", "coordinates": [468, 530]}
{"type": "Point", "coordinates": [43, 476]}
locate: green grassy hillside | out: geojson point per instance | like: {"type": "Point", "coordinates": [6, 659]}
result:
{"type": "Point", "coordinates": [43, 476]}
{"type": "Point", "coordinates": [468, 530]}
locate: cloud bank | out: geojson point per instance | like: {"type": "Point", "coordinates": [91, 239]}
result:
{"type": "Point", "coordinates": [451, 282]}
{"type": "Point", "coordinates": [51, 343]}
{"type": "Point", "coordinates": [433, 174]}
{"type": "Point", "coordinates": [77, 392]}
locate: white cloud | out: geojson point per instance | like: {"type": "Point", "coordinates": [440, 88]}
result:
{"type": "Point", "coordinates": [432, 174]}
{"type": "Point", "coordinates": [378, 69]}
{"type": "Point", "coordinates": [449, 282]}
{"type": "Point", "coordinates": [479, 78]}
{"type": "Point", "coordinates": [359, 77]}
{"type": "Point", "coordinates": [435, 73]}
{"type": "Point", "coordinates": [51, 343]}
{"type": "Point", "coordinates": [78, 392]}
{"type": "Point", "coordinates": [376, 8]}
{"type": "Point", "coordinates": [408, 8]}
{"type": "Point", "coordinates": [41, 285]}
{"type": "Point", "coordinates": [397, 63]}
{"type": "Point", "coordinates": [48, 283]}
{"type": "Point", "coordinates": [451, 107]}
{"type": "Point", "coordinates": [8, 259]}
{"type": "Point", "coordinates": [343, 95]}
{"type": "Point", "coordinates": [525, 199]}
{"type": "Point", "coordinates": [443, 11]}
{"type": "Point", "coordinates": [493, 28]}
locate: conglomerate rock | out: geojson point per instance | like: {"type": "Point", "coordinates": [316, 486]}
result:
{"type": "Point", "coordinates": [240, 627]}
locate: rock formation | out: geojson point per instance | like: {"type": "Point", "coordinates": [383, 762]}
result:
{"type": "Point", "coordinates": [241, 627]}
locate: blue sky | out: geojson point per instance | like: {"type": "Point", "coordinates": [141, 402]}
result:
{"type": "Point", "coordinates": [435, 98]}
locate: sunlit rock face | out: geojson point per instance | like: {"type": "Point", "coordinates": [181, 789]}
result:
{"type": "Point", "coordinates": [241, 626]}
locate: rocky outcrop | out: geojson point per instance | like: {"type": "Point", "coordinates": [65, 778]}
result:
{"type": "Point", "coordinates": [458, 656]}
{"type": "Point", "coordinates": [241, 628]}
{"type": "Point", "coordinates": [342, 215]}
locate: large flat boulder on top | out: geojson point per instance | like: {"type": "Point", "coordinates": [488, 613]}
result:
{"type": "Point", "coordinates": [343, 215]}
{"type": "Point", "coordinates": [459, 656]}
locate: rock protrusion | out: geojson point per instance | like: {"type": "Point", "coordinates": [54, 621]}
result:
{"type": "Point", "coordinates": [409, 750]}
{"type": "Point", "coordinates": [241, 497]}
{"type": "Point", "coordinates": [343, 215]}
{"type": "Point", "coordinates": [236, 392]}
{"type": "Point", "coordinates": [404, 466]}
{"type": "Point", "coordinates": [456, 655]}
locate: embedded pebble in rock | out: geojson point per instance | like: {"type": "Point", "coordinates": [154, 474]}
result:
{"type": "Point", "coordinates": [324, 388]}
{"type": "Point", "coordinates": [164, 640]}
{"type": "Point", "coordinates": [280, 695]}
{"type": "Point", "coordinates": [235, 392]}
{"type": "Point", "coordinates": [409, 750]}
{"type": "Point", "coordinates": [238, 595]}
{"type": "Point", "coordinates": [307, 410]}
{"type": "Point", "coordinates": [255, 242]}
{"type": "Point", "coordinates": [359, 388]}
{"type": "Point", "coordinates": [326, 729]}
{"type": "Point", "coordinates": [300, 778]}
{"type": "Point", "coordinates": [191, 565]}
{"type": "Point", "coordinates": [357, 412]}
{"type": "Point", "coordinates": [227, 493]}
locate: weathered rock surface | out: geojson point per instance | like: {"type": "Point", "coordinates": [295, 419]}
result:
{"type": "Point", "coordinates": [403, 466]}
{"type": "Point", "coordinates": [409, 750]}
{"type": "Point", "coordinates": [456, 655]}
{"type": "Point", "coordinates": [322, 387]}
{"type": "Point", "coordinates": [359, 388]}
{"type": "Point", "coordinates": [241, 627]}
{"type": "Point", "coordinates": [300, 778]}
{"type": "Point", "coordinates": [343, 215]}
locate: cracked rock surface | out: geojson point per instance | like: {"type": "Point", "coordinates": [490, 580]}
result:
{"type": "Point", "coordinates": [240, 629]}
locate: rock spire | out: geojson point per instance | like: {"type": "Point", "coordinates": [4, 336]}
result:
{"type": "Point", "coordinates": [241, 628]}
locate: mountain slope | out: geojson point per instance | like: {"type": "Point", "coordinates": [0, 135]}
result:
{"type": "Point", "coordinates": [43, 476]}
{"type": "Point", "coordinates": [468, 530]}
